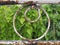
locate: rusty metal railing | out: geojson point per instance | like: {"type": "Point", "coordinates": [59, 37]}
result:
{"type": "Point", "coordinates": [36, 42]}
{"type": "Point", "coordinates": [32, 4]}
{"type": "Point", "coordinates": [7, 2]}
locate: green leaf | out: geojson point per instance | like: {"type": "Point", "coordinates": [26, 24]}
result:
{"type": "Point", "coordinates": [22, 20]}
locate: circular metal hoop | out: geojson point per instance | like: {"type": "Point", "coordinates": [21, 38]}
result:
{"type": "Point", "coordinates": [14, 17]}
{"type": "Point", "coordinates": [32, 21]}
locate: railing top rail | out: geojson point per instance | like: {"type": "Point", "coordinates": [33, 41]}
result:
{"type": "Point", "coordinates": [4, 2]}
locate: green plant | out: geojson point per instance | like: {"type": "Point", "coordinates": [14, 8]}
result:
{"type": "Point", "coordinates": [29, 30]}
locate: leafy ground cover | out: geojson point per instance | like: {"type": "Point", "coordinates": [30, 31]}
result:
{"type": "Point", "coordinates": [29, 30]}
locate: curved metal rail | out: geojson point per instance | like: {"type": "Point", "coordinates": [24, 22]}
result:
{"type": "Point", "coordinates": [14, 18]}
{"type": "Point", "coordinates": [6, 2]}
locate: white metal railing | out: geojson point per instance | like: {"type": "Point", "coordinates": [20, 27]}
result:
{"type": "Point", "coordinates": [24, 1]}
{"type": "Point", "coordinates": [3, 2]}
{"type": "Point", "coordinates": [38, 42]}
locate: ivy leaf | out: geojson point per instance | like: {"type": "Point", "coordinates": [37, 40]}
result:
{"type": "Point", "coordinates": [29, 31]}
{"type": "Point", "coordinates": [22, 20]}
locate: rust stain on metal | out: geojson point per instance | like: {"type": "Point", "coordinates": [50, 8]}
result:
{"type": "Point", "coordinates": [48, 43]}
{"type": "Point", "coordinates": [7, 2]}
{"type": "Point", "coordinates": [36, 43]}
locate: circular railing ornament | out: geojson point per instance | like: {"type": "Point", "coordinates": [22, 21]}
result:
{"type": "Point", "coordinates": [14, 18]}
{"type": "Point", "coordinates": [32, 21]}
